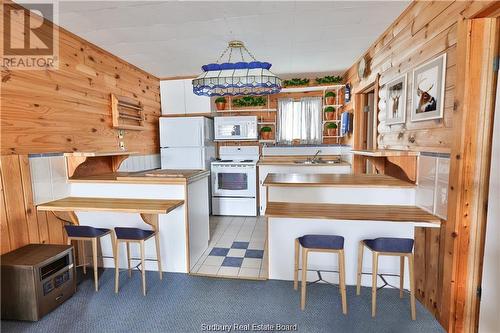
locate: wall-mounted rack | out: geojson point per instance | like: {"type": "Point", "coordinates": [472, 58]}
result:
{"type": "Point", "coordinates": [127, 113]}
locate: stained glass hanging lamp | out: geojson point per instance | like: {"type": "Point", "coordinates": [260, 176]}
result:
{"type": "Point", "coordinates": [236, 78]}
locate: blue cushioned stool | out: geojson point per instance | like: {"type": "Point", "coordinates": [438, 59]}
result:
{"type": "Point", "coordinates": [385, 246]}
{"type": "Point", "coordinates": [81, 233]}
{"type": "Point", "coordinates": [136, 235]}
{"type": "Point", "coordinates": [319, 243]}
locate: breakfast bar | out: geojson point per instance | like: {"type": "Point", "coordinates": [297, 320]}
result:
{"type": "Point", "coordinates": [175, 200]}
{"type": "Point", "coordinates": [354, 207]}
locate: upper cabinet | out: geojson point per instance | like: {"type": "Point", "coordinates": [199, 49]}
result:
{"type": "Point", "coordinates": [177, 98]}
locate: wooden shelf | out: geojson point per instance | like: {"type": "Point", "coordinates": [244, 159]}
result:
{"type": "Point", "coordinates": [94, 154]}
{"type": "Point", "coordinates": [267, 141]}
{"type": "Point", "coordinates": [127, 113]}
{"type": "Point", "coordinates": [331, 136]}
{"type": "Point", "coordinates": [313, 88]}
{"type": "Point", "coordinates": [331, 121]}
{"type": "Point", "coordinates": [267, 123]}
{"type": "Point", "coordinates": [334, 105]}
{"type": "Point", "coordinates": [246, 110]}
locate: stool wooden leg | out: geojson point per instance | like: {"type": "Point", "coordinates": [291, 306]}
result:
{"type": "Point", "coordinates": [117, 261]}
{"type": "Point", "coordinates": [304, 279]}
{"type": "Point", "coordinates": [158, 256]}
{"type": "Point", "coordinates": [128, 259]}
{"type": "Point", "coordinates": [143, 269]}
{"type": "Point", "coordinates": [84, 256]}
{"type": "Point", "coordinates": [94, 261]}
{"type": "Point", "coordinates": [401, 275]}
{"type": "Point", "coordinates": [360, 267]}
{"type": "Point", "coordinates": [374, 283]}
{"type": "Point", "coordinates": [412, 288]}
{"type": "Point", "coordinates": [296, 267]}
{"type": "Point", "coordinates": [342, 281]}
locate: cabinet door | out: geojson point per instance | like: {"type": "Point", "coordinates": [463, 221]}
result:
{"type": "Point", "coordinates": [172, 97]}
{"type": "Point", "coordinates": [195, 103]}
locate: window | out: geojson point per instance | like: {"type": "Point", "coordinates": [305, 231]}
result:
{"type": "Point", "coordinates": [300, 120]}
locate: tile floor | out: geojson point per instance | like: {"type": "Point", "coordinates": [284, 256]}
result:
{"type": "Point", "coordinates": [236, 248]}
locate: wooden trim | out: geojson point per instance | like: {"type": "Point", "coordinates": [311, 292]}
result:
{"type": "Point", "coordinates": [469, 171]}
{"type": "Point", "coordinates": [186, 221]}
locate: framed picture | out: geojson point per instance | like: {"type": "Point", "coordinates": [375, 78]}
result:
{"type": "Point", "coordinates": [395, 101]}
{"type": "Point", "coordinates": [428, 90]}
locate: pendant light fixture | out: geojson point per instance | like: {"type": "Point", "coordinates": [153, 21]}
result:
{"type": "Point", "coordinates": [236, 78]}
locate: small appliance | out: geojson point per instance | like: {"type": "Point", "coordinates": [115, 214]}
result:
{"type": "Point", "coordinates": [234, 181]}
{"type": "Point", "coordinates": [236, 128]}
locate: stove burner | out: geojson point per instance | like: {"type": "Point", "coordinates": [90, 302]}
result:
{"type": "Point", "coordinates": [247, 161]}
{"type": "Point", "coordinates": [225, 160]}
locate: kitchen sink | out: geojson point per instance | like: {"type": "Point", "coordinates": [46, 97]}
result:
{"type": "Point", "coordinates": [309, 162]}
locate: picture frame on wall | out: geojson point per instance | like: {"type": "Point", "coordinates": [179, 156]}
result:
{"type": "Point", "coordinates": [428, 90]}
{"type": "Point", "coordinates": [395, 100]}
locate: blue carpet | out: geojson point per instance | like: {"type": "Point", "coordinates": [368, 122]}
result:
{"type": "Point", "coordinates": [183, 303]}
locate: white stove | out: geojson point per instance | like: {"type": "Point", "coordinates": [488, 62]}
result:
{"type": "Point", "coordinates": [234, 181]}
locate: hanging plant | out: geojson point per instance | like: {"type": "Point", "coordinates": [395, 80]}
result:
{"type": "Point", "coordinates": [296, 82]}
{"type": "Point", "coordinates": [249, 101]}
{"type": "Point", "coordinates": [329, 80]}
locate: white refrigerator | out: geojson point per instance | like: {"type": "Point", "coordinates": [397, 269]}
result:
{"type": "Point", "coordinates": [187, 143]}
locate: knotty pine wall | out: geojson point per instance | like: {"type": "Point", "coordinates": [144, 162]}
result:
{"type": "Point", "coordinates": [63, 110]}
{"type": "Point", "coordinates": [424, 30]}
{"type": "Point", "coordinates": [68, 109]}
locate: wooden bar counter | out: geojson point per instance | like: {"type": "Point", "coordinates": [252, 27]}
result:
{"type": "Point", "coordinates": [355, 207]}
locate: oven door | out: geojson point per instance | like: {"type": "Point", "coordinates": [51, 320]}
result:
{"type": "Point", "coordinates": [234, 181]}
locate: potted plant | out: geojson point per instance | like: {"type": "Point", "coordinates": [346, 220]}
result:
{"type": "Point", "coordinates": [330, 98]}
{"type": "Point", "coordinates": [265, 133]}
{"type": "Point", "coordinates": [331, 129]}
{"type": "Point", "coordinates": [220, 103]}
{"type": "Point", "coordinates": [330, 113]}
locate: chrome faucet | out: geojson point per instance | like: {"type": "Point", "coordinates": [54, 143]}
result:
{"type": "Point", "coordinates": [315, 157]}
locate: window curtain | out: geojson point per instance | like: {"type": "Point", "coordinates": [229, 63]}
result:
{"type": "Point", "coordinates": [300, 120]}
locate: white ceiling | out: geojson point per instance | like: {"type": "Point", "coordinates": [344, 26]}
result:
{"type": "Point", "coordinates": [176, 38]}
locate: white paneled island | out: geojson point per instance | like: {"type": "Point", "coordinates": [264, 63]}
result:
{"type": "Point", "coordinates": [356, 207]}
{"type": "Point", "coordinates": [184, 231]}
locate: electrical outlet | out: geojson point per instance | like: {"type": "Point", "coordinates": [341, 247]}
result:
{"type": "Point", "coordinates": [121, 133]}
{"type": "Point", "coordinates": [122, 145]}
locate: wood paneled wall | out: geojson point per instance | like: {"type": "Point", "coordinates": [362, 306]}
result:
{"type": "Point", "coordinates": [20, 223]}
{"type": "Point", "coordinates": [425, 30]}
{"type": "Point", "coordinates": [63, 110]}
{"type": "Point", "coordinates": [68, 109]}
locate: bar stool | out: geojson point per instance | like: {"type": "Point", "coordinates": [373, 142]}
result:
{"type": "Point", "coordinates": [319, 243]}
{"type": "Point", "coordinates": [401, 247]}
{"type": "Point", "coordinates": [135, 235]}
{"type": "Point", "coordinates": [82, 233]}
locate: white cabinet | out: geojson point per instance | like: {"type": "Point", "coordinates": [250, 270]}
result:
{"type": "Point", "coordinates": [265, 169]}
{"type": "Point", "coordinates": [177, 98]}
{"type": "Point", "coordinates": [195, 103]}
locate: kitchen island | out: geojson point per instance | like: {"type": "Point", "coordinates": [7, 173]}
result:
{"type": "Point", "coordinates": [184, 231]}
{"type": "Point", "coordinates": [356, 207]}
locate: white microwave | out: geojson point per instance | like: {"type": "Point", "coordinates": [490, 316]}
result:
{"type": "Point", "coordinates": [235, 128]}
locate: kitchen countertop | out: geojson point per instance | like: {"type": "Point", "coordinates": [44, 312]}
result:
{"type": "Point", "coordinates": [334, 180]}
{"type": "Point", "coordinates": [155, 176]}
